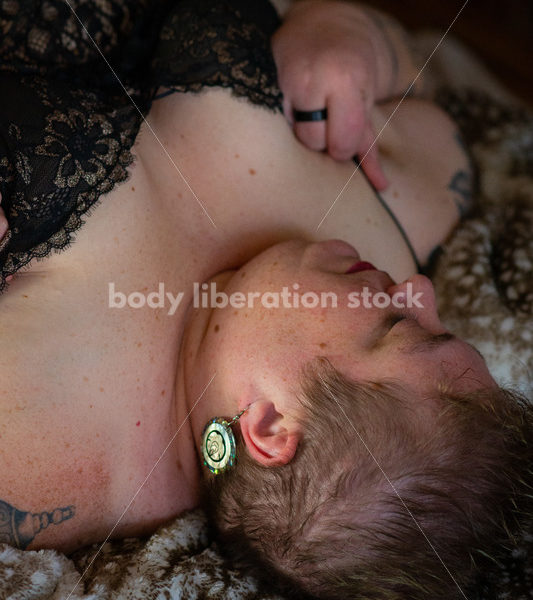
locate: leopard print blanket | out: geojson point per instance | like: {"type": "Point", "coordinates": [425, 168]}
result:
{"type": "Point", "coordinates": [484, 280]}
{"type": "Point", "coordinates": [485, 285]}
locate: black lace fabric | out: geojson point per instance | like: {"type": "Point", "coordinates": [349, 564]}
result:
{"type": "Point", "coordinates": [68, 123]}
{"type": "Point", "coordinates": [224, 43]}
{"type": "Point", "coordinates": [67, 150]}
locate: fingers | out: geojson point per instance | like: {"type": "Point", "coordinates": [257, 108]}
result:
{"type": "Point", "coordinates": [346, 133]}
{"type": "Point", "coordinates": [347, 119]}
{"type": "Point", "coordinates": [287, 110]}
{"type": "Point", "coordinates": [340, 134]}
{"type": "Point", "coordinates": [305, 92]}
{"type": "Point", "coordinates": [369, 159]}
{"type": "Point", "coordinates": [311, 133]}
{"type": "Point", "coordinates": [346, 97]}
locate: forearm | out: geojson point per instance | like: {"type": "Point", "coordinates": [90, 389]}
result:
{"type": "Point", "coordinates": [397, 65]}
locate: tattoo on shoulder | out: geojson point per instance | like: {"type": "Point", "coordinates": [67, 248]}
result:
{"type": "Point", "coordinates": [461, 186]}
{"type": "Point", "coordinates": [18, 528]}
{"type": "Point", "coordinates": [462, 183]}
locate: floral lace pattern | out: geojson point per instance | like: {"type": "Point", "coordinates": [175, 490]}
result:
{"type": "Point", "coordinates": [66, 124]}
{"type": "Point", "coordinates": [46, 37]}
{"type": "Point", "coordinates": [70, 148]}
{"type": "Point", "coordinates": [224, 43]}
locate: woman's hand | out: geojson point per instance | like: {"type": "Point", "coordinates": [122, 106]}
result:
{"type": "Point", "coordinates": [335, 55]}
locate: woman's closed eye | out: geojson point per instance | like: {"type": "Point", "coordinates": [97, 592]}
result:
{"type": "Point", "coordinates": [386, 326]}
{"type": "Point", "coordinates": [394, 319]}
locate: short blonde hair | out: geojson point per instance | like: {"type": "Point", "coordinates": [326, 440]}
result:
{"type": "Point", "coordinates": [369, 508]}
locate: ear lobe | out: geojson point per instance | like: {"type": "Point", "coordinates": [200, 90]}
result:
{"type": "Point", "coordinates": [269, 438]}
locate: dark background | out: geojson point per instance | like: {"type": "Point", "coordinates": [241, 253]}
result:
{"type": "Point", "coordinates": [499, 31]}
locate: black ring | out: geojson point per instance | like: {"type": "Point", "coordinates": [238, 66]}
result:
{"type": "Point", "coordinates": [311, 115]}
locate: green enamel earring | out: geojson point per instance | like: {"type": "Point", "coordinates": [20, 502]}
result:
{"type": "Point", "coordinates": [218, 444]}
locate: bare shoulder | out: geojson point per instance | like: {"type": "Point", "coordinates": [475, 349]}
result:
{"type": "Point", "coordinates": [429, 168]}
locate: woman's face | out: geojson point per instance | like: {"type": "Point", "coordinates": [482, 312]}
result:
{"type": "Point", "coordinates": [377, 331]}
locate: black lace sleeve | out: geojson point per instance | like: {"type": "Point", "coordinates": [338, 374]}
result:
{"type": "Point", "coordinates": [219, 43]}
{"type": "Point", "coordinates": [71, 41]}
{"type": "Point", "coordinates": [60, 150]}
{"type": "Point", "coordinates": [66, 123]}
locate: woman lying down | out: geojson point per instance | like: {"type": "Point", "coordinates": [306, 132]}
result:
{"type": "Point", "coordinates": [228, 329]}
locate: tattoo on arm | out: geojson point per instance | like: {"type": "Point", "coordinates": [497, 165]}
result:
{"type": "Point", "coordinates": [461, 186]}
{"type": "Point", "coordinates": [462, 183]}
{"type": "Point", "coordinates": [18, 528]}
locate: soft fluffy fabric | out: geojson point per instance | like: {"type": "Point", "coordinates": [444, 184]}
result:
{"type": "Point", "coordinates": [485, 285]}
{"type": "Point", "coordinates": [484, 279]}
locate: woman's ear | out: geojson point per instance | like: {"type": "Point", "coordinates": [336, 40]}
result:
{"type": "Point", "coordinates": [269, 436]}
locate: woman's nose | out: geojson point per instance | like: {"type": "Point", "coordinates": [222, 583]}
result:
{"type": "Point", "coordinates": [416, 298]}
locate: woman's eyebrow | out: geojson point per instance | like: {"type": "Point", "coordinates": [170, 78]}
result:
{"type": "Point", "coordinates": [432, 341]}
{"type": "Point", "coordinates": [435, 341]}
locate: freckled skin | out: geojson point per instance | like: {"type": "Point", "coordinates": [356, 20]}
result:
{"type": "Point", "coordinates": [24, 523]}
{"type": "Point", "coordinates": [160, 242]}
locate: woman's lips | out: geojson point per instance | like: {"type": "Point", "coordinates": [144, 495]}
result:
{"type": "Point", "coordinates": [362, 265]}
